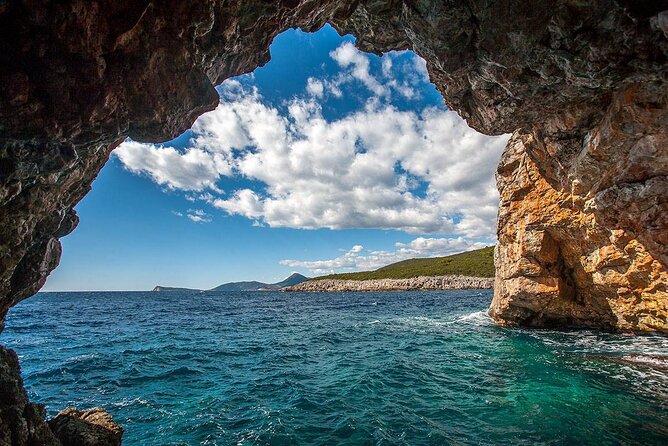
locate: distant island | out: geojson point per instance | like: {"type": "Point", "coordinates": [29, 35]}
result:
{"type": "Point", "coordinates": [293, 279]}
{"type": "Point", "coordinates": [171, 288]}
{"type": "Point", "coordinates": [467, 270]}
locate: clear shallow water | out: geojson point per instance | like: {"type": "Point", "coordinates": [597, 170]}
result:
{"type": "Point", "coordinates": [405, 368]}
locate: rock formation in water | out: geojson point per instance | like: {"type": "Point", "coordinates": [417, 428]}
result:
{"type": "Point", "coordinates": [583, 223]}
{"type": "Point", "coordinates": [171, 289]}
{"type": "Point", "coordinates": [21, 422]}
{"type": "Point", "coordinates": [93, 427]}
{"type": "Point", "coordinates": [557, 263]}
{"type": "Point", "coordinates": [414, 283]}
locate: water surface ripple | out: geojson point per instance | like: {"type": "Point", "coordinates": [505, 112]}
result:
{"type": "Point", "coordinates": [408, 368]}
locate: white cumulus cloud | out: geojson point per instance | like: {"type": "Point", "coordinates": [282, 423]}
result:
{"type": "Point", "coordinates": [195, 169]}
{"type": "Point", "coordinates": [347, 56]}
{"type": "Point", "coordinates": [423, 172]}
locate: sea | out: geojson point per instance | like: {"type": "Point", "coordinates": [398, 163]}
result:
{"type": "Point", "coordinates": [391, 368]}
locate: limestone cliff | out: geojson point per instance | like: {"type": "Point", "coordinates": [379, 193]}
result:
{"type": "Point", "coordinates": [414, 283]}
{"type": "Point", "coordinates": [557, 265]}
{"type": "Point", "coordinates": [583, 224]}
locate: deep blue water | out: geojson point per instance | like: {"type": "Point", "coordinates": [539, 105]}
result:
{"type": "Point", "coordinates": [406, 368]}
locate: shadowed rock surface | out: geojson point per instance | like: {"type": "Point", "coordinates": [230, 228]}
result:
{"type": "Point", "coordinates": [415, 283]}
{"type": "Point", "coordinates": [583, 222]}
{"type": "Point", "coordinates": [21, 422]}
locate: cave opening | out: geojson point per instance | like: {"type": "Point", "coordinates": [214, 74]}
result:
{"type": "Point", "coordinates": [350, 160]}
{"type": "Point", "coordinates": [325, 160]}
{"type": "Point", "coordinates": [582, 86]}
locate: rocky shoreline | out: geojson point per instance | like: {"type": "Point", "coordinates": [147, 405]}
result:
{"type": "Point", "coordinates": [24, 423]}
{"type": "Point", "coordinates": [414, 283]}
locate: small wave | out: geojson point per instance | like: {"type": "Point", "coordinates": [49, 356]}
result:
{"type": "Point", "coordinates": [418, 324]}
{"type": "Point", "coordinates": [475, 318]}
{"type": "Point", "coordinates": [83, 357]}
{"type": "Point", "coordinates": [131, 402]}
{"type": "Point", "coordinates": [593, 342]}
{"type": "Point", "coordinates": [134, 376]}
{"type": "Point", "coordinates": [23, 328]}
{"type": "Point", "coordinates": [414, 323]}
{"type": "Point", "coordinates": [421, 322]}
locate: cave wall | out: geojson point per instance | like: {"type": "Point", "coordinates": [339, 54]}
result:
{"type": "Point", "coordinates": [583, 221]}
{"type": "Point", "coordinates": [590, 249]}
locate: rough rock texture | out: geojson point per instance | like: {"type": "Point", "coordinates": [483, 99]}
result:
{"type": "Point", "coordinates": [583, 230]}
{"type": "Point", "coordinates": [93, 427]}
{"type": "Point", "coordinates": [415, 283]}
{"type": "Point", "coordinates": [21, 422]}
{"type": "Point", "coordinates": [557, 265]}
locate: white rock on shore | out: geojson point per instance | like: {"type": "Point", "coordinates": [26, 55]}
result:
{"type": "Point", "coordinates": [415, 283]}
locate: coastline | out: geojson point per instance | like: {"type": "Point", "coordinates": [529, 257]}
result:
{"type": "Point", "coordinates": [414, 283]}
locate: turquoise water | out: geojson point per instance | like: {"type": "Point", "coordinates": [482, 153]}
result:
{"type": "Point", "coordinates": [408, 368]}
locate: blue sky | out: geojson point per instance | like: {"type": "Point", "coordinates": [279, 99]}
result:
{"type": "Point", "coordinates": [325, 159]}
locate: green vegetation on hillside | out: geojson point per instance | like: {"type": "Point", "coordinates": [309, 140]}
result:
{"type": "Point", "coordinates": [478, 263]}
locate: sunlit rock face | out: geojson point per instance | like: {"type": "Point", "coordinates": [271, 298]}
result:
{"type": "Point", "coordinates": [93, 427]}
{"type": "Point", "coordinates": [558, 266]}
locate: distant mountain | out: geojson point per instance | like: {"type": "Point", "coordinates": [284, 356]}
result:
{"type": "Point", "coordinates": [239, 286]}
{"type": "Point", "coordinates": [294, 279]}
{"type": "Point", "coordinates": [170, 288]}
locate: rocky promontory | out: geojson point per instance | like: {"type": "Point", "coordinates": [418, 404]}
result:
{"type": "Point", "coordinates": [414, 283]}
{"type": "Point", "coordinates": [93, 427]}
